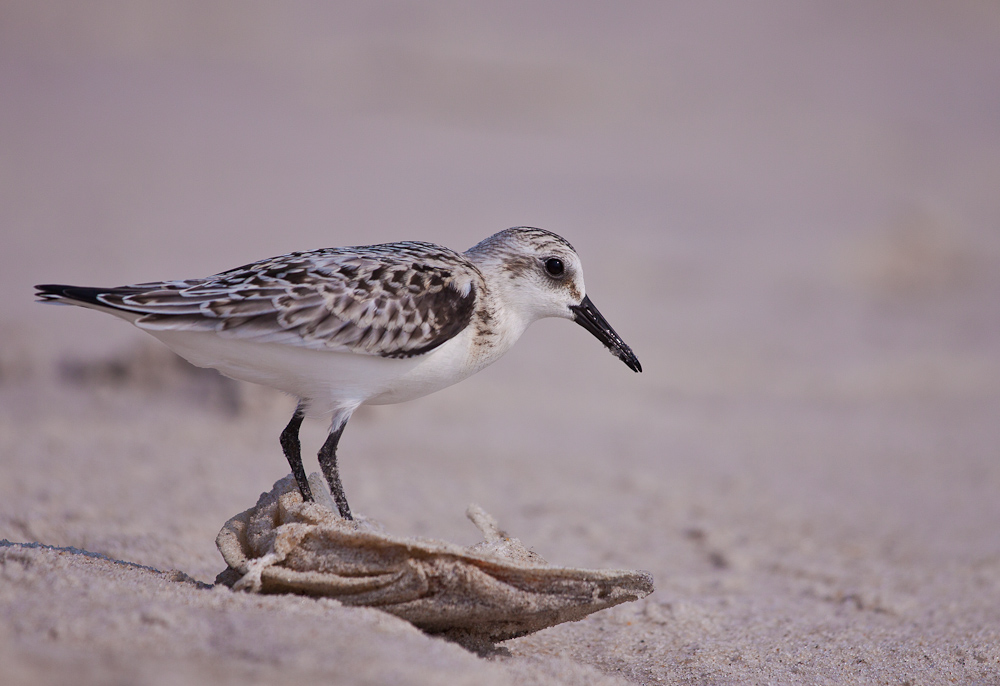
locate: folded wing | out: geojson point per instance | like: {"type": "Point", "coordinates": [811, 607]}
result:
{"type": "Point", "coordinates": [391, 300]}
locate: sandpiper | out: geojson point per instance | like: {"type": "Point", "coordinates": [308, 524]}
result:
{"type": "Point", "coordinates": [367, 325]}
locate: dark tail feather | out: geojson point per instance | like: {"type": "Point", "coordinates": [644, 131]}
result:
{"type": "Point", "coordinates": [55, 292]}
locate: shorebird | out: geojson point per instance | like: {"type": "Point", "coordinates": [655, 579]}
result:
{"type": "Point", "coordinates": [367, 325]}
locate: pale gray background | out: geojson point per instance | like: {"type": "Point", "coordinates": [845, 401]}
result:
{"type": "Point", "coordinates": [789, 210]}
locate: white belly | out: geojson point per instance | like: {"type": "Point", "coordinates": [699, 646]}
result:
{"type": "Point", "coordinates": [331, 381]}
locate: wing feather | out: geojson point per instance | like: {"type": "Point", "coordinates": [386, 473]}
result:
{"type": "Point", "coordinates": [391, 300]}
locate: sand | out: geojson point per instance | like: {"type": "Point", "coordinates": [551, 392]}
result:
{"type": "Point", "coordinates": [789, 212]}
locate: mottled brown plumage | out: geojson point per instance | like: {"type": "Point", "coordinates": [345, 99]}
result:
{"type": "Point", "coordinates": [392, 300]}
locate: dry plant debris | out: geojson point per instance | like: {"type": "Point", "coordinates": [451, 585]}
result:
{"type": "Point", "coordinates": [489, 592]}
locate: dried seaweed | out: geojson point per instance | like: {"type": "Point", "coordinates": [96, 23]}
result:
{"type": "Point", "coordinates": [489, 592]}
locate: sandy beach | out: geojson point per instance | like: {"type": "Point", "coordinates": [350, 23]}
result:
{"type": "Point", "coordinates": [790, 212]}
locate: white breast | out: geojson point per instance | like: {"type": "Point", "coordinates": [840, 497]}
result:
{"type": "Point", "coordinates": [331, 381]}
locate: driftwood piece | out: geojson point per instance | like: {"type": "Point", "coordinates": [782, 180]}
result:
{"type": "Point", "coordinates": [489, 592]}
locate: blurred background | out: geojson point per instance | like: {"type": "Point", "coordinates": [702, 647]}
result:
{"type": "Point", "coordinates": [790, 211]}
{"type": "Point", "coordinates": [813, 166]}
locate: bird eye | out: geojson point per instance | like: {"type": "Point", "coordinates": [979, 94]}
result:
{"type": "Point", "coordinates": [554, 266]}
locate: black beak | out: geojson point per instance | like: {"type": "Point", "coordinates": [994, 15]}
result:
{"type": "Point", "coordinates": [587, 316]}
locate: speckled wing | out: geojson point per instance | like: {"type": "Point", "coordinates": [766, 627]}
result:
{"type": "Point", "coordinates": [391, 300]}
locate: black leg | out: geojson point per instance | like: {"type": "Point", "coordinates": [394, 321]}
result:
{"type": "Point", "coordinates": [328, 463]}
{"type": "Point", "coordinates": [293, 453]}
